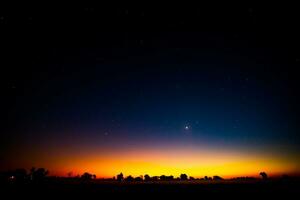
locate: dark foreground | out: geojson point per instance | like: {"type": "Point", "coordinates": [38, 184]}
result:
{"type": "Point", "coordinates": [232, 189]}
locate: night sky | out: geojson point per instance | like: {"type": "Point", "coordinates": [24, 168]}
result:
{"type": "Point", "coordinates": [202, 90]}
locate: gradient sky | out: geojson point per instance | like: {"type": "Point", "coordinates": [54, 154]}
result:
{"type": "Point", "coordinates": [186, 98]}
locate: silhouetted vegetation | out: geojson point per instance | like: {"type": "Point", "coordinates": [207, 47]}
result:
{"type": "Point", "coordinates": [147, 177]}
{"type": "Point", "coordinates": [21, 175]}
{"type": "Point", "coordinates": [120, 177]}
{"type": "Point", "coordinates": [206, 178]}
{"type": "Point", "coordinates": [166, 178]}
{"type": "Point", "coordinates": [183, 177]}
{"type": "Point", "coordinates": [138, 178]}
{"type": "Point", "coordinates": [87, 176]}
{"type": "Point", "coordinates": [88, 184]}
{"type": "Point", "coordinates": [263, 175]}
{"type": "Point", "coordinates": [243, 178]}
{"type": "Point", "coordinates": [217, 178]}
{"type": "Point", "coordinates": [38, 175]}
{"type": "Point", "coordinates": [129, 178]}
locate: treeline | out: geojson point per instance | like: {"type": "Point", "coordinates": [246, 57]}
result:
{"type": "Point", "coordinates": [182, 177]}
{"type": "Point", "coordinates": [36, 175]}
{"type": "Point", "coordinates": [21, 175]}
{"type": "Point", "coordinates": [41, 174]}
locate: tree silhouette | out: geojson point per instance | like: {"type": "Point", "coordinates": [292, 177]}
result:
{"type": "Point", "coordinates": [120, 177]}
{"type": "Point", "coordinates": [138, 178]}
{"type": "Point", "coordinates": [147, 177]}
{"type": "Point", "coordinates": [263, 175]}
{"type": "Point", "coordinates": [162, 178]}
{"type": "Point", "coordinates": [39, 174]}
{"type": "Point", "coordinates": [166, 178]}
{"type": "Point", "coordinates": [183, 177]}
{"type": "Point", "coordinates": [217, 178]}
{"type": "Point", "coordinates": [243, 178]}
{"type": "Point", "coordinates": [87, 176]}
{"type": "Point", "coordinates": [207, 178]}
{"type": "Point", "coordinates": [129, 178]}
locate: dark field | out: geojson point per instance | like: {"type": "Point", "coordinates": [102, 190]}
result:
{"type": "Point", "coordinates": [100, 188]}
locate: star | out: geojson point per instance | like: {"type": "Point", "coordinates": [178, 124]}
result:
{"type": "Point", "coordinates": [187, 128]}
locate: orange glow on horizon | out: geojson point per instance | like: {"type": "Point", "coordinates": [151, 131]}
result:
{"type": "Point", "coordinates": [193, 162]}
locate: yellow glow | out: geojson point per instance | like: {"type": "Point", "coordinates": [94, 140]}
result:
{"type": "Point", "coordinates": [197, 163]}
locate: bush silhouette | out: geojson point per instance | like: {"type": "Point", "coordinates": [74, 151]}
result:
{"type": "Point", "coordinates": [86, 176]}
{"type": "Point", "coordinates": [120, 177]}
{"type": "Point", "coordinates": [183, 177]}
{"type": "Point", "coordinates": [38, 175]}
{"type": "Point", "coordinates": [129, 178]}
{"type": "Point", "coordinates": [147, 177]}
{"type": "Point", "coordinates": [217, 178]}
{"type": "Point", "coordinates": [166, 178]}
{"type": "Point", "coordinates": [263, 175]}
{"type": "Point", "coordinates": [138, 179]}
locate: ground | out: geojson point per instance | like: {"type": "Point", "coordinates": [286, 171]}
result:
{"type": "Point", "coordinates": [171, 189]}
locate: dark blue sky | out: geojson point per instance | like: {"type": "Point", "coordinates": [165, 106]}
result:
{"type": "Point", "coordinates": [217, 102]}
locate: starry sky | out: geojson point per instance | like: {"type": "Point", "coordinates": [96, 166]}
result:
{"type": "Point", "coordinates": [200, 90]}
